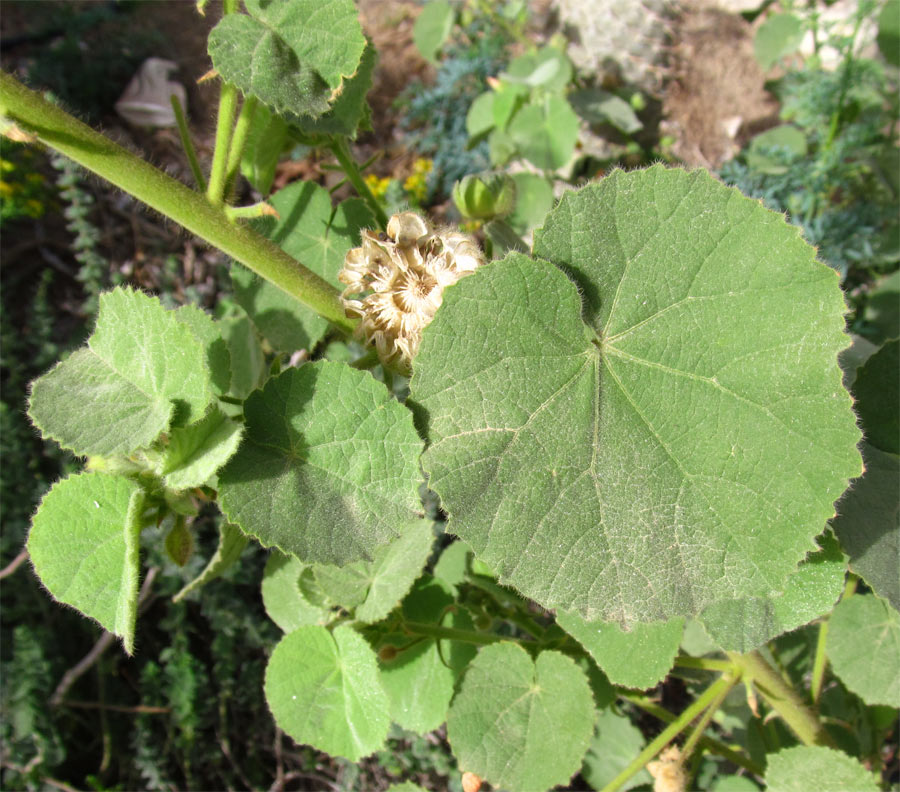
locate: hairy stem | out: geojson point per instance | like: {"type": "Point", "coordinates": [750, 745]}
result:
{"type": "Point", "coordinates": [57, 129]}
{"type": "Point", "coordinates": [239, 141]}
{"type": "Point", "coordinates": [228, 99]}
{"type": "Point", "coordinates": [782, 698]}
{"type": "Point", "coordinates": [688, 748]}
{"type": "Point", "coordinates": [187, 144]}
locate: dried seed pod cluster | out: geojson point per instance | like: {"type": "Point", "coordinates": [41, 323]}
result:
{"type": "Point", "coordinates": [395, 283]}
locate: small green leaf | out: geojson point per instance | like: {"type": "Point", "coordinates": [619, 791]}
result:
{"type": "Point", "coordinates": [639, 658]}
{"type": "Point", "coordinates": [787, 139]}
{"type": "Point", "coordinates": [318, 236]}
{"type": "Point", "coordinates": [324, 690]}
{"type": "Point", "coordinates": [141, 370]}
{"type": "Point", "coordinates": [373, 588]}
{"type": "Point", "coordinates": [778, 36]}
{"type": "Point", "coordinates": [546, 132]}
{"type": "Point", "coordinates": [807, 767]}
{"type": "Point", "coordinates": [84, 544]}
{"type": "Point", "coordinates": [534, 198]}
{"type": "Point", "coordinates": [548, 68]}
{"type": "Point", "coordinates": [432, 28]}
{"type": "Point", "coordinates": [294, 55]}
{"type": "Point", "coordinates": [266, 141]}
{"type": "Point", "coordinates": [863, 647]}
{"type": "Point", "coordinates": [453, 563]}
{"type": "Point", "coordinates": [480, 118]}
{"type": "Point", "coordinates": [743, 625]}
{"type": "Point", "coordinates": [616, 742]}
{"type": "Point", "coordinates": [394, 570]}
{"type": "Point", "coordinates": [196, 452]}
{"type": "Point", "coordinates": [231, 544]}
{"type": "Point", "coordinates": [521, 724]}
{"type": "Point", "coordinates": [328, 469]}
{"type": "Point", "coordinates": [282, 597]}
{"type": "Point", "coordinates": [868, 523]}
{"type": "Point", "coordinates": [597, 106]}
{"type": "Point", "coordinates": [631, 445]}
{"type": "Point", "coordinates": [889, 32]}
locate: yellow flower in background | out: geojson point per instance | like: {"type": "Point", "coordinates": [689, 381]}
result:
{"type": "Point", "coordinates": [416, 183]}
{"type": "Point", "coordinates": [378, 185]}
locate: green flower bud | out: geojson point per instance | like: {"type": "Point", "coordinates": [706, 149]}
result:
{"type": "Point", "coordinates": [485, 196]}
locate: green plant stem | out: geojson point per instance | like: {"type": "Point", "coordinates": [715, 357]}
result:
{"type": "Point", "coordinates": [341, 151]}
{"type": "Point", "coordinates": [187, 144]}
{"type": "Point", "coordinates": [697, 732]}
{"type": "Point", "coordinates": [710, 744]}
{"type": "Point", "coordinates": [668, 734]}
{"type": "Point", "coordinates": [239, 141]}
{"type": "Point", "coordinates": [57, 129]}
{"type": "Point", "coordinates": [820, 660]}
{"type": "Point", "coordinates": [228, 99]}
{"type": "Point", "coordinates": [453, 634]}
{"type": "Point", "coordinates": [782, 698]}
{"type": "Point", "coordinates": [705, 663]}
{"type": "Point", "coordinates": [835, 125]}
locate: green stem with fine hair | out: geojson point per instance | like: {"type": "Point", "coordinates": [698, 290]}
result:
{"type": "Point", "coordinates": [671, 732]}
{"type": "Point", "coordinates": [58, 130]}
{"type": "Point", "coordinates": [341, 151]}
{"type": "Point", "coordinates": [186, 143]}
{"type": "Point", "coordinates": [239, 141]}
{"type": "Point", "coordinates": [782, 698]}
{"type": "Point", "coordinates": [228, 99]}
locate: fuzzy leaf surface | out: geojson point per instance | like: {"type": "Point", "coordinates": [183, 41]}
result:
{"type": "Point", "coordinates": [328, 469]}
{"type": "Point", "coordinates": [84, 544]}
{"type": "Point", "coordinates": [639, 658]}
{"type": "Point", "coordinates": [806, 767]}
{"type": "Point", "coordinates": [142, 369]}
{"type": "Point", "coordinates": [743, 625]}
{"type": "Point", "coordinates": [314, 233]}
{"type": "Point", "coordinates": [323, 689]}
{"type": "Point", "coordinates": [294, 55]}
{"type": "Point", "coordinates": [521, 724]}
{"type": "Point", "coordinates": [655, 446]}
{"type": "Point", "coordinates": [873, 674]}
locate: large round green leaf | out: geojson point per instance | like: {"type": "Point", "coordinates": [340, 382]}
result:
{"type": "Point", "coordinates": [666, 431]}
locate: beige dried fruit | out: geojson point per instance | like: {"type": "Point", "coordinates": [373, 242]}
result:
{"type": "Point", "coordinates": [395, 283]}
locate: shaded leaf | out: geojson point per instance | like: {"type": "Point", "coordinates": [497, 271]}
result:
{"type": "Point", "coordinates": [873, 674]}
{"type": "Point", "coordinates": [615, 745]}
{"type": "Point", "coordinates": [432, 27]}
{"type": "Point", "coordinates": [231, 544]}
{"type": "Point", "coordinates": [194, 453]}
{"type": "Point", "coordinates": [282, 596]}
